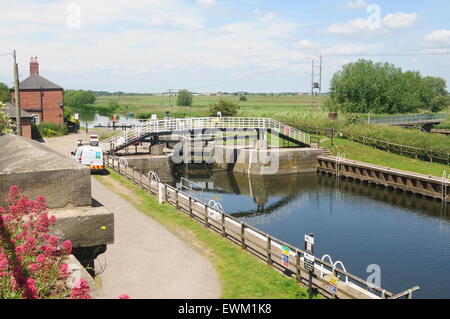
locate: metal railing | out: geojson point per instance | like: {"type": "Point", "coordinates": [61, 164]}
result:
{"type": "Point", "coordinates": [146, 128]}
{"type": "Point", "coordinates": [406, 119]}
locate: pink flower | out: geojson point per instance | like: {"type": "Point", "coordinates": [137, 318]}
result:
{"type": "Point", "coordinates": [124, 297]}
{"type": "Point", "coordinates": [30, 290]}
{"type": "Point", "coordinates": [81, 290]}
{"type": "Point", "coordinates": [34, 268]}
{"type": "Point", "coordinates": [67, 247]}
{"type": "Point", "coordinates": [53, 241]}
{"type": "Point", "coordinates": [64, 270]}
{"type": "Point", "coordinates": [40, 258]}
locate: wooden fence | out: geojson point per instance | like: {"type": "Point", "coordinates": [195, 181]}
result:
{"type": "Point", "coordinates": [255, 241]}
{"type": "Point", "coordinates": [404, 150]}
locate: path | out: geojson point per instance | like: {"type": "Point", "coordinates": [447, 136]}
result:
{"type": "Point", "coordinates": [146, 260]}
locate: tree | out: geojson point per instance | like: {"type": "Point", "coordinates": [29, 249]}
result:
{"type": "Point", "coordinates": [242, 98]}
{"type": "Point", "coordinates": [6, 126]}
{"type": "Point", "coordinates": [368, 87]}
{"type": "Point", "coordinates": [5, 95]}
{"type": "Point", "coordinates": [184, 98]}
{"type": "Point", "coordinates": [226, 107]}
{"type": "Point", "coordinates": [76, 98]}
{"type": "Point", "coordinates": [439, 103]}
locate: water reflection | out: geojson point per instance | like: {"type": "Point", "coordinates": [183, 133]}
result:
{"type": "Point", "coordinates": [407, 235]}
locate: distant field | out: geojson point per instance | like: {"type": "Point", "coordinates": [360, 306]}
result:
{"type": "Point", "coordinates": [257, 105]}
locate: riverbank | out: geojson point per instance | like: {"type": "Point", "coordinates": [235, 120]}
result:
{"type": "Point", "coordinates": [242, 275]}
{"type": "Point", "coordinates": [370, 155]}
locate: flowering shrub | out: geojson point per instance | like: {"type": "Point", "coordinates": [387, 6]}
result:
{"type": "Point", "coordinates": [31, 260]}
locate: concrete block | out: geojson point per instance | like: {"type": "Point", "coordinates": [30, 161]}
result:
{"type": "Point", "coordinates": [40, 171]}
{"type": "Point", "coordinates": [84, 226]}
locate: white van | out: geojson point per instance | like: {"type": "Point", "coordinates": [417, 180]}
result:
{"type": "Point", "coordinates": [91, 156]}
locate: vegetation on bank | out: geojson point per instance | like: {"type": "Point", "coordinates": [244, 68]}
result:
{"type": "Point", "coordinates": [367, 154]}
{"type": "Point", "coordinates": [243, 276]}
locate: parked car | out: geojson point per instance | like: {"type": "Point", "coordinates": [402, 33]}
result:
{"type": "Point", "coordinates": [91, 156]}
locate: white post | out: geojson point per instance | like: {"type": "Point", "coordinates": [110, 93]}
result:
{"type": "Point", "coordinates": [161, 193]}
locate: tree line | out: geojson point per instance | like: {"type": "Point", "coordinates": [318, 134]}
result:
{"type": "Point", "coordinates": [368, 87]}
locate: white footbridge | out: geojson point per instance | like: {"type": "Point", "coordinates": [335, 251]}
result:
{"type": "Point", "coordinates": [203, 124]}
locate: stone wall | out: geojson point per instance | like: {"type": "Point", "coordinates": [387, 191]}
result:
{"type": "Point", "coordinates": [41, 171]}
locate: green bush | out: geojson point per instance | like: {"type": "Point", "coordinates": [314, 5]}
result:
{"type": "Point", "coordinates": [243, 98]}
{"type": "Point", "coordinates": [226, 107]}
{"type": "Point", "coordinates": [184, 98]}
{"type": "Point", "coordinates": [47, 129]}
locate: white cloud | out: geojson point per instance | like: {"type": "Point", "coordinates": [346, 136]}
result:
{"type": "Point", "coordinates": [345, 49]}
{"type": "Point", "coordinates": [437, 38]}
{"type": "Point", "coordinates": [400, 20]}
{"type": "Point", "coordinates": [353, 26]}
{"type": "Point", "coordinates": [207, 3]}
{"type": "Point", "coordinates": [356, 4]}
{"type": "Point", "coordinates": [360, 25]}
{"type": "Point", "coordinates": [306, 44]}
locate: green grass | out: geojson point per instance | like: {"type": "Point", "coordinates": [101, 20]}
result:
{"type": "Point", "coordinates": [243, 276]}
{"type": "Point", "coordinates": [256, 105]}
{"type": "Point", "coordinates": [367, 154]}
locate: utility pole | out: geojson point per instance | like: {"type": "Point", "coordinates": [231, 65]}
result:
{"type": "Point", "coordinates": [320, 80]}
{"type": "Point", "coordinates": [17, 96]}
{"type": "Point", "coordinates": [316, 85]}
{"type": "Point", "coordinates": [170, 93]}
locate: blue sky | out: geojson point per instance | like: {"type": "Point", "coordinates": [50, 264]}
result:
{"type": "Point", "coordinates": [217, 45]}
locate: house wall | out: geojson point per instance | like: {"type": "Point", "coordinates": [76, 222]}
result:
{"type": "Point", "coordinates": [51, 104]}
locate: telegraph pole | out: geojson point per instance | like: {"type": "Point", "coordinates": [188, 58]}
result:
{"type": "Point", "coordinates": [17, 96]}
{"type": "Point", "coordinates": [170, 93]}
{"type": "Point", "coordinates": [316, 85]}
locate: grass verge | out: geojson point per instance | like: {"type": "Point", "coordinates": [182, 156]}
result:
{"type": "Point", "coordinates": [368, 154]}
{"type": "Point", "coordinates": [243, 276]}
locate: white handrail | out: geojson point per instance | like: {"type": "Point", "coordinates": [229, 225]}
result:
{"type": "Point", "coordinates": [144, 128]}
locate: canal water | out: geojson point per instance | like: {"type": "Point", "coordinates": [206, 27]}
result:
{"type": "Point", "coordinates": [94, 119]}
{"type": "Point", "coordinates": [360, 225]}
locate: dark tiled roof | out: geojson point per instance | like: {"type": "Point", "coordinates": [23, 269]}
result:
{"type": "Point", "coordinates": [36, 82]}
{"type": "Point", "coordinates": [11, 111]}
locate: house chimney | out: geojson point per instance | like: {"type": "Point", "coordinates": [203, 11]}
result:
{"type": "Point", "coordinates": [34, 66]}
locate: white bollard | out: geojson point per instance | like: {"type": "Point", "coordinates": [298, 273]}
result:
{"type": "Point", "coordinates": [161, 193]}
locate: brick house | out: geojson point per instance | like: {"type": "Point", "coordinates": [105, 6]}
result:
{"type": "Point", "coordinates": [41, 97]}
{"type": "Point", "coordinates": [26, 119]}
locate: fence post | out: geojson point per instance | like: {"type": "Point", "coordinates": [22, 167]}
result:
{"type": "Point", "coordinates": [242, 235]}
{"type": "Point", "coordinates": [298, 273]}
{"type": "Point", "coordinates": [268, 250]}
{"type": "Point", "coordinates": [190, 207]}
{"type": "Point", "coordinates": [113, 163]}
{"type": "Point", "coordinates": [223, 224]}
{"type": "Point", "coordinates": [206, 216]}
{"type": "Point", "coordinates": [176, 199]}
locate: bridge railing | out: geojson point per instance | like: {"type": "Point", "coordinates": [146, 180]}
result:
{"type": "Point", "coordinates": [167, 125]}
{"type": "Point", "coordinates": [407, 119]}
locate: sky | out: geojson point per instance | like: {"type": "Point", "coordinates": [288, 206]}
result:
{"type": "Point", "coordinates": [217, 45]}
